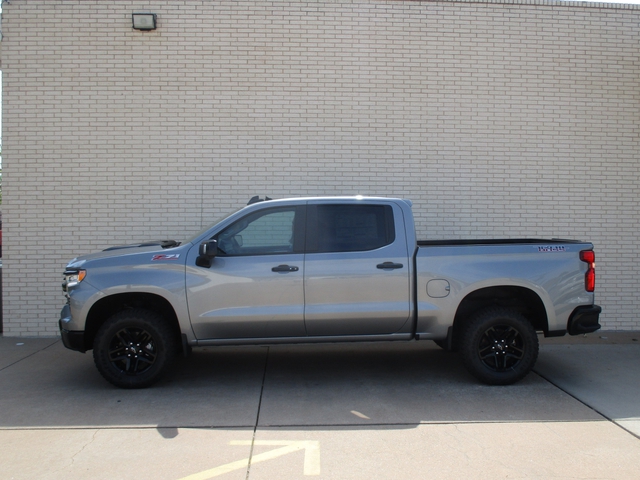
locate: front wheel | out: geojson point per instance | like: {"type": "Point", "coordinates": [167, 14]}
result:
{"type": "Point", "coordinates": [499, 346]}
{"type": "Point", "coordinates": [134, 348]}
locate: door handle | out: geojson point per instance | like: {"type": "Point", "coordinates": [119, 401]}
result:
{"type": "Point", "coordinates": [284, 268]}
{"type": "Point", "coordinates": [389, 265]}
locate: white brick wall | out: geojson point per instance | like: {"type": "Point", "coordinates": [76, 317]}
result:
{"type": "Point", "coordinates": [498, 119]}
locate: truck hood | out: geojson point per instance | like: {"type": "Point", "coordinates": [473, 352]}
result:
{"type": "Point", "coordinates": [153, 243]}
{"type": "Point", "coordinates": [156, 247]}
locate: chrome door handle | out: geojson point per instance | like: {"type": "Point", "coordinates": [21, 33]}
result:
{"type": "Point", "coordinates": [284, 268]}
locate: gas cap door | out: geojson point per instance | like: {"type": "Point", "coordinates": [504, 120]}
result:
{"type": "Point", "coordinates": [438, 288]}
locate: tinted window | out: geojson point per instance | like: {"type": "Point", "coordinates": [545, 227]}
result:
{"type": "Point", "coordinates": [350, 228]}
{"type": "Point", "coordinates": [262, 233]}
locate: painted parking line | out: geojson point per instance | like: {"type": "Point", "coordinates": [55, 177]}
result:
{"type": "Point", "coordinates": [311, 457]}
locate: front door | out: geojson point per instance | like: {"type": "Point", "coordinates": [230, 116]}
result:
{"type": "Point", "coordinates": [254, 286]}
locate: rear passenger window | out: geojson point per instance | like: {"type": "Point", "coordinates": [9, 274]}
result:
{"type": "Point", "coordinates": [350, 228]}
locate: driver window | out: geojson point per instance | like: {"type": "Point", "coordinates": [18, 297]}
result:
{"type": "Point", "coordinates": [262, 233]}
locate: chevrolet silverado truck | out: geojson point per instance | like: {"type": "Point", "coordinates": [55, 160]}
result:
{"type": "Point", "coordinates": [337, 269]}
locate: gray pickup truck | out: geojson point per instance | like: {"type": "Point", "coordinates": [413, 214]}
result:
{"type": "Point", "coordinates": [335, 269]}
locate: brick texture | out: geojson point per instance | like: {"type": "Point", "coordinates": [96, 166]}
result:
{"type": "Point", "coordinates": [498, 119]}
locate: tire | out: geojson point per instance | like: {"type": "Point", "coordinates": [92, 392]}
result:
{"type": "Point", "coordinates": [134, 348]}
{"type": "Point", "coordinates": [499, 346]}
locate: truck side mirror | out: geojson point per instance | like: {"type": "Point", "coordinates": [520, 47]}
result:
{"type": "Point", "coordinates": [208, 248]}
{"type": "Point", "coordinates": [207, 252]}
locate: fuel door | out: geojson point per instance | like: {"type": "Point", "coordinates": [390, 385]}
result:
{"type": "Point", "coordinates": [438, 288]}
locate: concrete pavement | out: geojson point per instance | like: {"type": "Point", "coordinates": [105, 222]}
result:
{"type": "Point", "coordinates": [323, 411]}
{"type": "Point", "coordinates": [602, 370]}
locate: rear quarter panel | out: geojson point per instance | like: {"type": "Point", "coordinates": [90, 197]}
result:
{"type": "Point", "coordinates": [555, 275]}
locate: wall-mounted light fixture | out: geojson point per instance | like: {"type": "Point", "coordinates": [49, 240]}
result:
{"type": "Point", "coordinates": [144, 21]}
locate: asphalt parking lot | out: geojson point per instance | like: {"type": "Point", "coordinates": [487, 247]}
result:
{"type": "Point", "coordinates": [323, 411]}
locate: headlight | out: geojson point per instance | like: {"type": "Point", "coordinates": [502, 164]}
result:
{"type": "Point", "coordinates": [72, 277]}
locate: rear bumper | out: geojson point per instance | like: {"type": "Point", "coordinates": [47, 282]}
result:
{"type": "Point", "coordinates": [70, 339]}
{"type": "Point", "coordinates": [584, 320]}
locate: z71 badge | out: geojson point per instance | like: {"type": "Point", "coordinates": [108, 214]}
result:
{"type": "Point", "coordinates": [171, 256]}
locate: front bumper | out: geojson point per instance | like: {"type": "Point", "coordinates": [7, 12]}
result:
{"type": "Point", "coordinates": [584, 320]}
{"type": "Point", "coordinates": [73, 340]}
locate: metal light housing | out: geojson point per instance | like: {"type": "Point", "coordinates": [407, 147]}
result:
{"type": "Point", "coordinates": [144, 21]}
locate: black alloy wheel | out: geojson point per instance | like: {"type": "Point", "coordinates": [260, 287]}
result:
{"type": "Point", "coordinates": [499, 346]}
{"type": "Point", "coordinates": [133, 351]}
{"type": "Point", "coordinates": [134, 348]}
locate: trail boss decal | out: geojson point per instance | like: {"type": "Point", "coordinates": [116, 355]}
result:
{"type": "Point", "coordinates": [162, 256]}
{"type": "Point", "coordinates": [554, 248]}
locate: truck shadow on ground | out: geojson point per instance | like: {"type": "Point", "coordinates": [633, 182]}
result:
{"type": "Point", "coordinates": [345, 385]}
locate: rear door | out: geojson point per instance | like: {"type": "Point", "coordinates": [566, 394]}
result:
{"type": "Point", "coordinates": [356, 269]}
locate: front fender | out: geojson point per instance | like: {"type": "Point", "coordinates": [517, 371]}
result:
{"type": "Point", "coordinates": [161, 280]}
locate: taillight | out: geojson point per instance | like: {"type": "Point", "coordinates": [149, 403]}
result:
{"type": "Point", "coordinates": [589, 257]}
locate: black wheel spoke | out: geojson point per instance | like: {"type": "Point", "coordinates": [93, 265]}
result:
{"type": "Point", "coordinates": [515, 351]}
{"type": "Point", "coordinates": [118, 358]}
{"type": "Point", "coordinates": [132, 350]}
{"type": "Point", "coordinates": [135, 365]}
{"type": "Point", "coordinates": [511, 335]}
{"type": "Point", "coordinates": [117, 352]}
{"type": "Point", "coordinates": [146, 361]}
{"type": "Point", "coordinates": [123, 337]}
{"type": "Point", "coordinates": [488, 356]}
{"type": "Point", "coordinates": [502, 359]}
{"type": "Point", "coordinates": [486, 352]}
{"type": "Point", "coordinates": [512, 356]}
{"type": "Point", "coordinates": [491, 336]}
{"type": "Point", "coordinates": [501, 348]}
{"type": "Point", "coordinates": [143, 338]}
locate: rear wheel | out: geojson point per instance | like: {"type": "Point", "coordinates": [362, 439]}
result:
{"type": "Point", "coordinates": [134, 348]}
{"type": "Point", "coordinates": [499, 346]}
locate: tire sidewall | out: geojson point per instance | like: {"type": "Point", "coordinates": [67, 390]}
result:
{"type": "Point", "coordinates": [161, 335]}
